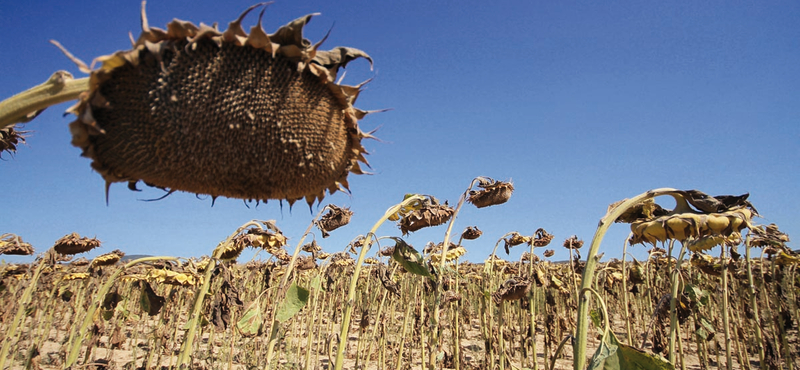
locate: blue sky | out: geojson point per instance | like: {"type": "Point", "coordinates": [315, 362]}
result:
{"type": "Point", "coordinates": [580, 104]}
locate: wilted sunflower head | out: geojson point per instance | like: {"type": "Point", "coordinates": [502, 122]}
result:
{"type": "Point", "coordinates": [512, 289]}
{"type": "Point", "coordinates": [471, 233]}
{"type": "Point", "coordinates": [573, 242]}
{"type": "Point", "coordinates": [80, 262]}
{"type": "Point", "coordinates": [541, 238]}
{"type": "Point", "coordinates": [526, 257]}
{"type": "Point", "coordinates": [514, 239]}
{"type": "Point", "coordinates": [767, 236]}
{"type": "Point", "coordinates": [107, 259]}
{"type": "Point", "coordinates": [452, 253]}
{"type": "Point", "coordinates": [334, 219]}
{"type": "Point", "coordinates": [696, 215]}
{"type": "Point", "coordinates": [226, 113]}
{"type": "Point", "coordinates": [549, 253]}
{"type": "Point", "coordinates": [312, 247]}
{"type": "Point", "coordinates": [428, 213]}
{"type": "Point", "coordinates": [74, 244]}
{"type": "Point", "coordinates": [11, 244]}
{"type": "Point", "coordinates": [492, 192]}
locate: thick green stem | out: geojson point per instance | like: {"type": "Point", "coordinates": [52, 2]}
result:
{"type": "Point", "coordinates": [273, 336]}
{"type": "Point", "coordinates": [23, 107]}
{"type": "Point", "coordinates": [351, 293]}
{"type": "Point", "coordinates": [582, 331]}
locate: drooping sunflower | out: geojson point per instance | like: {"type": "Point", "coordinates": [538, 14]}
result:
{"type": "Point", "coordinates": [225, 113]}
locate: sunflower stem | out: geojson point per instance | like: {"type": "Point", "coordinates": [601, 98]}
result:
{"type": "Point", "coordinates": [273, 336]}
{"type": "Point", "coordinates": [754, 301]}
{"type": "Point", "coordinates": [348, 305]}
{"type": "Point", "coordinates": [21, 308]}
{"type": "Point", "coordinates": [25, 106]}
{"type": "Point", "coordinates": [582, 331]}
{"type": "Point", "coordinates": [194, 317]}
{"type": "Point", "coordinates": [98, 300]}
{"type": "Point", "coordinates": [436, 341]}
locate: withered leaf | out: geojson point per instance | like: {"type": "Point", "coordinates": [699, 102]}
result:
{"type": "Point", "coordinates": [149, 300]}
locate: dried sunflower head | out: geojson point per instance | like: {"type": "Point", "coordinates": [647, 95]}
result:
{"type": "Point", "coordinates": [306, 263]}
{"type": "Point", "coordinates": [312, 247]}
{"type": "Point", "coordinates": [526, 257]}
{"type": "Point", "coordinates": [430, 214]}
{"type": "Point", "coordinates": [334, 219]}
{"type": "Point", "coordinates": [541, 238]}
{"type": "Point", "coordinates": [74, 244]}
{"type": "Point", "coordinates": [515, 239]}
{"type": "Point", "coordinates": [162, 276]}
{"type": "Point", "coordinates": [706, 264]}
{"type": "Point", "coordinates": [573, 242]}
{"type": "Point", "coordinates": [342, 259]}
{"type": "Point", "coordinates": [768, 236]}
{"type": "Point", "coordinates": [107, 259]}
{"type": "Point", "coordinates": [452, 254]}
{"type": "Point", "coordinates": [492, 192]}
{"type": "Point", "coordinates": [230, 249]}
{"type": "Point", "coordinates": [75, 276]}
{"type": "Point", "coordinates": [549, 253]}
{"type": "Point", "coordinates": [471, 233]}
{"type": "Point", "coordinates": [80, 262]}
{"type": "Point", "coordinates": [511, 290]}
{"type": "Point", "coordinates": [225, 113]}
{"type": "Point", "coordinates": [688, 225]}
{"type": "Point", "coordinates": [11, 244]}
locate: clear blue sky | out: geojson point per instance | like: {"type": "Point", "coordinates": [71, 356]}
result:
{"type": "Point", "coordinates": [580, 104]}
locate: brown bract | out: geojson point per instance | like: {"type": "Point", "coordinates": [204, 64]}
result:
{"type": "Point", "coordinates": [430, 215]}
{"type": "Point", "coordinates": [225, 113]}
{"type": "Point", "coordinates": [492, 192]}
{"type": "Point", "coordinates": [11, 244]}
{"type": "Point", "coordinates": [334, 219]}
{"type": "Point", "coordinates": [9, 138]}
{"type": "Point", "coordinates": [74, 244]}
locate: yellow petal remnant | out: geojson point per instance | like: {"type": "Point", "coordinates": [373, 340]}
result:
{"type": "Point", "coordinates": [75, 276]}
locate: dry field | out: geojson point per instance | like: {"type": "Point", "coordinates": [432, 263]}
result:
{"type": "Point", "coordinates": [409, 309]}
